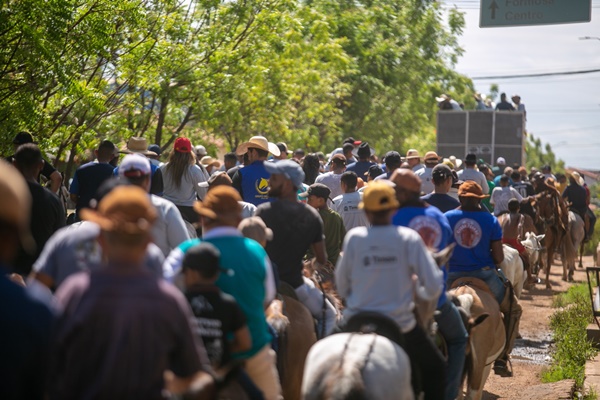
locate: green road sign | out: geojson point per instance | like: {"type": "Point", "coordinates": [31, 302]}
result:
{"type": "Point", "coordinates": [533, 12]}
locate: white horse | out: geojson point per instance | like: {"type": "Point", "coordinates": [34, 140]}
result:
{"type": "Point", "coordinates": [357, 366]}
{"type": "Point", "coordinates": [513, 269]}
{"type": "Point", "coordinates": [533, 246]}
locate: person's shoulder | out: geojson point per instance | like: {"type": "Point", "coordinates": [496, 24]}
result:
{"type": "Point", "coordinates": [76, 283]}
{"type": "Point", "coordinates": [357, 233]}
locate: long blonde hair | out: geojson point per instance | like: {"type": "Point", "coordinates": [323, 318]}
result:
{"type": "Point", "coordinates": [178, 165]}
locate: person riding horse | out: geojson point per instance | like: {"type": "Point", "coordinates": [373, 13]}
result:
{"type": "Point", "coordinates": [478, 251]}
{"type": "Point", "coordinates": [377, 273]}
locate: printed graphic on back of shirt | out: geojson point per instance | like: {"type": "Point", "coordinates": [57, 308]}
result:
{"type": "Point", "coordinates": [467, 233]}
{"type": "Point", "coordinates": [429, 230]}
{"type": "Point", "coordinates": [262, 188]}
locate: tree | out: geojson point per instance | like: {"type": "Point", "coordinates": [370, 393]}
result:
{"type": "Point", "coordinates": [539, 155]}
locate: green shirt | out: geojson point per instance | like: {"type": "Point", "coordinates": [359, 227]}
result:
{"type": "Point", "coordinates": [334, 230]}
{"type": "Point", "coordinates": [486, 201]}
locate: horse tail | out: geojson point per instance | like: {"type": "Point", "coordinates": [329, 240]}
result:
{"type": "Point", "coordinates": [344, 383]}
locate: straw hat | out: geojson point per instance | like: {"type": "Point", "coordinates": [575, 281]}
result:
{"type": "Point", "coordinates": [137, 145]}
{"type": "Point", "coordinates": [258, 142]}
{"type": "Point", "coordinates": [208, 160]}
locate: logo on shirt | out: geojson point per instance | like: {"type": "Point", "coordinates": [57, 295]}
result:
{"type": "Point", "coordinates": [467, 233]}
{"type": "Point", "coordinates": [262, 186]}
{"type": "Point", "coordinates": [429, 230]}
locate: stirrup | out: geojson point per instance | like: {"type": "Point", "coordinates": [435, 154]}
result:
{"type": "Point", "coordinates": [501, 367]}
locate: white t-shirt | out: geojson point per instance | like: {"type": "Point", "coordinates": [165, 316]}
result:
{"type": "Point", "coordinates": [471, 174]}
{"type": "Point", "coordinates": [427, 185]}
{"type": "Point", "coordinates": [501, 196]}
{"type": "Point", "coordinates": [188, 192]}
{"type": "Point", "coordinates": [169, 229]}
{"type": "Point", "coordinates": [347, 206]}
{"type": "Point", "coordinates": [374, 273]}
{"type": "Point", "coordinates": [332, 181]}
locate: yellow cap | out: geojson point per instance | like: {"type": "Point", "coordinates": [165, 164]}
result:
{"type": "Point", "coordinates": [379, 196]}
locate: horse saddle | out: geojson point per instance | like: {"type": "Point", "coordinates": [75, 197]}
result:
{"type": "Point", "coordinates": [374, 322]}
{"type": "Point", "coordinates": [473, 282]}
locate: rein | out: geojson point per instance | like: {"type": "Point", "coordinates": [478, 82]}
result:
{"type": "Point", "coordinates": [365, 358]}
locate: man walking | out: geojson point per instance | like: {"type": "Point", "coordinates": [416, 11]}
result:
{"type": "Point", "coordinates": [347, 204]}
{"type": "Point", "coordinates": [296, 227]}
{"type": "Point", "coordinates": [252, 180]}
{"type": "Point", "coordinates": [47, 212]}
{"type": "Point", "coordinates": [98, 340]}
{"type": "Point", "coordinates": [89, 177]}
{"type": "Point", "coordinates": [250, 281]}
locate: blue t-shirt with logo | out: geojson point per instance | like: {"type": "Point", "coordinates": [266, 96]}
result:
{"type": "Point", "coordinates": [255, 183]}
{"type": "Point", "coordinates": [433, 227]}
{"type": "Point", "coordinates": [473, 232]}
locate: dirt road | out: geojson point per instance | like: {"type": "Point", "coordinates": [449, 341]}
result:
{"type": "Point", "coordinates": [532, 353]}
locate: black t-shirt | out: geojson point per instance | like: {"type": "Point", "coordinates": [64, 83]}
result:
{"type": "Point", "coordinates": [47, 216]}
{"type": "Point", "coordinates": [89, 177]}
{"type": "Point", "coordinates": [525, 189]}
{"type": "Point", "coordinates": [577, 196]}
{"type": "Point", "coordinates": [217, 316]}
{"type": "Point", "coordinates": [295, 227]}
{"type": "Point", "coordinates": [443, 202]}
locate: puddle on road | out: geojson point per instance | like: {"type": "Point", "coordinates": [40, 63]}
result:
{"type": "Point", "coordinates": [533, 350]}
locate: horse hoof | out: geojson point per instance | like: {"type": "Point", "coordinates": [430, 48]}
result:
{"type": "Point", "coordinates": [548, 286]}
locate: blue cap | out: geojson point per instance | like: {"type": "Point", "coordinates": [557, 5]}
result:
{"type": "Point", "coordinates": [288, 168]}
{"type": "Point", "coordinates": [155, 148]}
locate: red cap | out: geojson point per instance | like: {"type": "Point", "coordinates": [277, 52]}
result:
{"type": "Point", "coordinates": [183, 145]}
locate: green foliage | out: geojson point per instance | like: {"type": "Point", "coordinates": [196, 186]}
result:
{"type": "Point", "coordinates": [589, 248]}
{"type": "Point", "coordinates": [539, 155]}
{"type": "Point", "coordinates": [572, 349]}
{"type": "Point", "coordinates": [308, 73]}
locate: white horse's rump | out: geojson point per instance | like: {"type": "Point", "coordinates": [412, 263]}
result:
{"type": "Point", "coordinates": [512, 266]}
{"type": "Point", "coordinates": [363, 365]}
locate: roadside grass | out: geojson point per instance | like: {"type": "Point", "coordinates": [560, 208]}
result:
{"type": "Point", "coordinates": [571, 347]}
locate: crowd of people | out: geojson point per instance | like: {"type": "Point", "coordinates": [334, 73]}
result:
{"type": "Point", "coordinates": [159, 281]}
{"type": "Point", "coordinates": [483, 103]}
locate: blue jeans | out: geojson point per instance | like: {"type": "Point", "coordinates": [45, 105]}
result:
{"type": "Point", "coordinates": [488, 274]}
{"type": "Point", "coordinates": [453, 330]}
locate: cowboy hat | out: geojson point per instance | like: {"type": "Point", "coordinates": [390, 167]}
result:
{"type": "Point", "coordinates": [258, 142]}
{"type": "Point", "coordinates": [137, 145]}
{"type": "Point", "coordinates": [208, 160]}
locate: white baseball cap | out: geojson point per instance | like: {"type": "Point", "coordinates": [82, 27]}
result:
{"type": "Point", "coordinates": [501, 160]}
{"type": "Point", "coordinates": [134, 166]}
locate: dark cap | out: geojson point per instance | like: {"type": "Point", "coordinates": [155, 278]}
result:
{"type": "Point", "coordinates": [318, 190]}
{"type": "Point", "coordinates": [374, 171]}
{"type": "Point", "coordinates": [23, 138]}
{"type": "Point", "coordinates": [441, 172]}
{"type": "Point", "coordinates": [392, 158]}
{"type": "Point", "coordinates": [339, 159]}
{"type": "Point", "coordinates": [155, 148]}
{"type": "Point", "coordinates": [204, 258]}
{"type": "Point", "coordinates": [471, 158]}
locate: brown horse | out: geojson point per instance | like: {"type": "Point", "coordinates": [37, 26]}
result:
{"type": "Point", "coordinates": [295, 328]}
{"type": "Point", "coordinates": [553, 214]}
{"type": "Point", "coordinates": [487, 336]}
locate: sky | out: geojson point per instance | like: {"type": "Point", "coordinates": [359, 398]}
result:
{"type": "Point", "coordinates": [563, 111]}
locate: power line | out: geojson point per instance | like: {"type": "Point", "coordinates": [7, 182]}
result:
{"type": "Point", "coordinates": [538, 75]}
